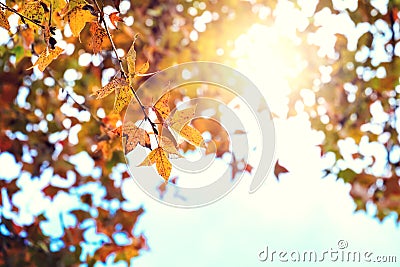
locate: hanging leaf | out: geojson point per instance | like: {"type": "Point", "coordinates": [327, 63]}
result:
{"type": "Point", "coordinates": [98, 34]}
{"type": "Point", "coordinates": [191, 135]}
{"type": "Point", "coordinates": [161, 108]}
{"type": "Point", "coordinates": [168, 146]}
{"type": "Point", "coordinates": [78, 17]}
{"type": "Point", "coordinates": [35, 11]}
{"type": "Point", "coordinates": [131, 58]}
{"type": "Point", "coordinates": [134, 136]}
{"type": "Point", "coordinates": [114, 18]}
{"type": "Point", "coordinates": [4, 21]}
{"type": "Point", "coordinates": [163, 165]}
{"type": "Point", "coordinates": [124, 97]}
{"type": "Point", "coordinates": [182, 117]}
{"type": "Point", "coordinates": [46, 57]}
{"type": "Point", "coordinates": [110, 87]}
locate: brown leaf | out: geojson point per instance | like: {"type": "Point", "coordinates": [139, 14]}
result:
{"type": "Point", "coordinates": [134, 136]}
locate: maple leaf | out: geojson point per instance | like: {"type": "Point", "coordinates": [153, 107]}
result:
{"type": "Point", "coordinates": [168, 146]}
{"type": "Point", "coordinates": [110, 87]}
{"type": "Point", "coordinates": [46, 57]}
{"type": "Point", "coordinates": [134, 136]}
{"type": "Point", "coordinates": [124, 97]}
{"type": "Point", "coordinates": [160, 158]}
{"type": "Point", "coordinates": [35, 11]}
{"type": "Point", "coordinates": [131, 57]}
{"type": "Point", "coordinates": [4, 21]}
{"type": "Point", "coordinates": [161, 108]}
{"type": "Point", "coordinates": [114, 18]}
{"type": "Point", "coordinates": [98, 34]}
{"type": "Point", "coordinates": [77, 18]}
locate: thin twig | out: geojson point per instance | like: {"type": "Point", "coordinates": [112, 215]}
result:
{"type": "Point", "coordinates": [20, 15]}
{"type": "Point", "coordinates": [146, 117]}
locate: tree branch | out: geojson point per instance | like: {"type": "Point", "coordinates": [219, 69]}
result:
{"type": "Point", "coordinates": [21, 16]}
{"type": "Point", "coordinates": [146, 117]}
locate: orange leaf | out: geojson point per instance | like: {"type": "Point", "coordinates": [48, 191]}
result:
{"type": "Point", "coordinates": [131, 57]}
{"type": "Point", "coordinates": [110, 87]}
{"type": "Point", "coordinates": [98, 34]}
{"type": "Point", "coordinates": [124, 97]}
{"type": "Point", "coordinates": [46, 57]}
{"type": "Point", "coordinates": [182, 117]}
{"type": "Point", "coordinates": [78, 17]}
{"type": "Point", "coordinates": [114, 18]}
{"type": "Point", "coordinates": [4, 21]}
{"type": "Point", "coordinates": [159, 157]}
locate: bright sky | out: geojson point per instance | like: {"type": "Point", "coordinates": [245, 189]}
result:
{"type": "Point", "coordinates": [301, 212]}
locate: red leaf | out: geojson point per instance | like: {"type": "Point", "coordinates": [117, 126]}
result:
{"type": "Point", "coordinates": [279, 170]}
{"type": "Point", "coordinates": [114, 18]}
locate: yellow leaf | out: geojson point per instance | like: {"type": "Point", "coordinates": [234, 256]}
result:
{"type": "Point", "coordinates": [110, 87]}
{"type": "Point", "coordinates": [144, 68]}
{"type": "Point", "coordinates": [191, 135]}
{"type": "Point", "coordinates": [34, 11]}
{"type": "Point", "coordinates": [131, 58]}
{"type": "Point", "coordinates": [124, 96]}
{"type": "Point", "coordinates": [182, 117]}
{"type": "Point", "coordinates": [134, 136]}
{"type": "Point", "coordinates": [46, 57]}
{"type": "Point", "coordinates": [78, 17]}
{"type": "Point", "coordinates": [163, 165]}
{"type": "Point", "coordinates": [162, 108]}
{"type": "Point", "coordinates": [168, 146]}
{"type": "Point", "coordinates": [4, 21]}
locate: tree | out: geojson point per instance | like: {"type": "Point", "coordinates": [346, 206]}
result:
{"type": "Point", "coordinates": [72, 103]}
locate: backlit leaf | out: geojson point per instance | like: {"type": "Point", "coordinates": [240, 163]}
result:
{"type": "Point", "coordinates": [110, 87]}
{"type": "Point", "coordinates": [159, 157]}
{"type": "Point", "coordinates": [168, 146]}
{"type": "Point", "coordinates": [4, 21]}
{"type": "Point", "coordinates": [124, 96]}
{"type": "Point", "coordinates": [134, 136]}
{"type": "Point", "coordinates": [98, 34]}
{"type": "Point", "coordinates": [46, 57]}
{"type": "Point", "coordinates": [34, 11]}
{"type": "Point", "coordinates": [114, 18]}
{"type": "Point", "coordinates": [162, 108]}
{"type": "Point", "coordinates": [182, 117]}
{"type": "Point", "coordinates": [131, 58]}
{"type": "Point", "coordinates": [191, 135]}
{"type": "Point", "coordinates": [78, 17]}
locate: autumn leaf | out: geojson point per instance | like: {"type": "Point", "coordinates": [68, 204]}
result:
{"type": "Point", "coordinates": [110, 87]}
{"type": "Point", "coordinates": [192, 135]}
{"type": "Point", "coordinates": [182, 117]}
{"type": "Point", "coordinates": [4, 21]}
{"type": "Point", "coordinates": [46, 57]}
{"type": "Point", "coordinates": [131, 57]}
{"type": "Point", "coordinates": [168, 146]}
{"type": "Point", "coordinates": [159, 157]}
{"type": "Point", "coordinates": [161, 108]}
{"type": "Point", "coordinates": [98, 34]}
{"type": "Point", "coordinates": [134, 136]}
{"type": "Point", "coordinates": [114, 18]}
{"type": "Point", "coordinates": [34, 10]}
{"type": "Point", "coordinates": [279, 170]}
{"type": "Point", "coordinates": [78, 17]}
{"type": "Point", "coordinates": [124, 97]}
